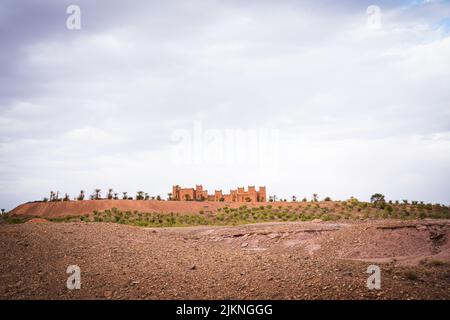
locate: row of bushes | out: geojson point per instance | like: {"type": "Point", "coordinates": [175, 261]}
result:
{"type": "Point", "coordinates": [263, 213]}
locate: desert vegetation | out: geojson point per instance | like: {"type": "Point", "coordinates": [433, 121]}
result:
{"type": "Point", "coordinates": [290, 234]}
{"type": "Point", "coordinates": [326, 210]}
{"type": "Point", "coordinates": [96, 195]}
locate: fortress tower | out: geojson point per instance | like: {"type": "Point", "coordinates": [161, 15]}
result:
{"type": "Point", "coordinates": [237, 195]}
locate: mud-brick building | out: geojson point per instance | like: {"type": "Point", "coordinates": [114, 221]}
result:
{"type": "Point", "coordinates": [237, 195]}
{"type": "Point", "coordinates": [187, 194]}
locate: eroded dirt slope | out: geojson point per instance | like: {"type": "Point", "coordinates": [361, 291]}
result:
{"type": "Point", "coordinates": [64, 208]}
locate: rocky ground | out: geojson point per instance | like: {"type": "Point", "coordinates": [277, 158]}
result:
{"type": "Point", "coordinates": [289, 260]}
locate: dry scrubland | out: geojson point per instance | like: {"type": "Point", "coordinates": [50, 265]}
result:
{"type": "Point", "coordinates": [193, 213]}
{"type": "Point", "coordinates": [301, 250]}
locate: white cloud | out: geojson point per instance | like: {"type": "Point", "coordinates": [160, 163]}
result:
{"type": "Point", "coordinates": [358, 110]}
{"type": "Point", "coordinates": [424, 61]}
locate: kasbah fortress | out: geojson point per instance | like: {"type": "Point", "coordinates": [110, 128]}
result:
{"type": "Point", "coordinates": [238, 195]}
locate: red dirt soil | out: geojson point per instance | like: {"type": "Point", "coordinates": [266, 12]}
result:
{"type": "Point", "coordinates": [37, 220]}
{"type": "Point", "coordinates": [286, 260]}
{"type": "Point", "coordinates": [65, 208]}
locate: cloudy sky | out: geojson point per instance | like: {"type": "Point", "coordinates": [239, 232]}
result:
{"type": "Point", "coordinates": [304, 97]}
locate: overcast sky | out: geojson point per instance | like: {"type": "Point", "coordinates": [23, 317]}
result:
{"type": "Point", "coordinates": [301, 96]}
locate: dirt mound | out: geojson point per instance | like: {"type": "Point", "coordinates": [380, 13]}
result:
{"type": "Point", "coordinates": [37, 220]}
{"type": "Point", "coordinates": [285, 260]}
{"type": "Point", "coordinates": [65, 208]}
{"type": "Point", "coordinates": [404, 243]}
{"type": "Point", "coordinates": [398, 242]}
{"type": "Point", "coordinates": [74, 208]}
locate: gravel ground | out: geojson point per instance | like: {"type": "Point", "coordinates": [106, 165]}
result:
{"type": "Point", "coordinates": [294, 260]}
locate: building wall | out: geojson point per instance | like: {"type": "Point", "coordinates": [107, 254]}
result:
{"type": "Point", "coordinates": [238, 195]}
{"type": "Point", "coordinates": [218, 195]}
{"type": "Point", "coordinates": [262, 194]}
{"type": "Point", "coordinates": [187, 194]}
{"type": "Point", "coordinates": [199, 194]}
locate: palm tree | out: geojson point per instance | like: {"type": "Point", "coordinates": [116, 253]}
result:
{"type": "Point", "coordinates": [81, 196]}
{"type": "Point", "coordinates": [377, 197]}
{"type": "Point", "coordinates": [169, 196]}
{"type": "Point", "coordinates": [125, 197]}
{"type": "Point", "coordinates": [3, 211]}
{"type": "Point", "coordinates": [116, 197]}
{"type": "Point", "coordinates": [294, 198]}
{"type": "Point", "coordinates": [54, 196]}
{"type": "Point", "coordinates": [315, 197]}
{"type": "Point", "coordinates": [97, 194]}
{"type": "Point", "coordinates": [140, 195]}
{"type": "Point", "coordinates": [146, 197]}
{"type": "Point", "coordinates": [110, 194]}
